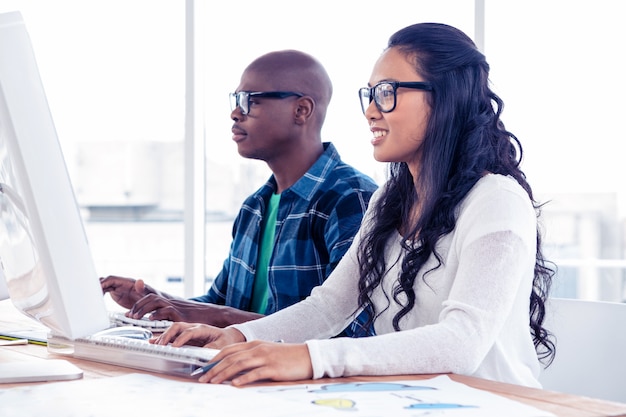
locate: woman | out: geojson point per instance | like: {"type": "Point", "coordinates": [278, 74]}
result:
{"type": "Point", "coordinates": [448, 261]}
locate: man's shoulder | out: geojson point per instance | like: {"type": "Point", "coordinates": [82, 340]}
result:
{"type": "Point", "coordinates": [345, 175]}
{"type": "Point", "coordinates": [330, 175]}
{"type": "Point", "coordinates": [346, 189]}
{"type": "Point", "coordinates": [344, 172]}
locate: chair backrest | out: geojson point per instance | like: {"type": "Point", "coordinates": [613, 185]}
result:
{"type": "Point", "coordinates": [590, 348]}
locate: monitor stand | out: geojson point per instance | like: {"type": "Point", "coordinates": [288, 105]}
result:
{"type": "Point", "coordinates": [39, 371]}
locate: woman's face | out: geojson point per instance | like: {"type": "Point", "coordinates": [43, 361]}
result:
{"type": "Point", "coordinates": [399, 134]}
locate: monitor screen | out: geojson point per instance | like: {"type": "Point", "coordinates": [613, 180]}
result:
{"type": "Point", "coordinates": [44, 253]}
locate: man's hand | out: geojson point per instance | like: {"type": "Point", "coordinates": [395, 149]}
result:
{"type": "Point", "coordinates": [175, 309]}
{"type": "Point", "coordinates": [125, 291]}
{"type": "Point", "coordinates": [141, 300]}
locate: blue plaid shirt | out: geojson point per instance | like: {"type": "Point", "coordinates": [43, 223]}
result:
{"type": "Point", "coordinates": [317, 219]}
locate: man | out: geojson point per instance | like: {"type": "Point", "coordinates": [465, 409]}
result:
{"type": "Point", "coordinates": [291, 233]}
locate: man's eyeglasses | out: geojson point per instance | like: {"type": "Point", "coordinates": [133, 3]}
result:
{"type": "Point", "coordinates": [384, 94]}
{"type": "Point", "coordinates": [242, 98]}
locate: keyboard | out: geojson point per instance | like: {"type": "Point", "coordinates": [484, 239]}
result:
{"type": "Point", "coordinates": [134, 353]}
{"type": "Point", "coordinates": [157, 326]}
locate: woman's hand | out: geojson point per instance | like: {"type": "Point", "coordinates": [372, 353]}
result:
{"type": "Point", "coordinates": [248, 362]}
{"type": "Point", "coordinates": [197, 334]}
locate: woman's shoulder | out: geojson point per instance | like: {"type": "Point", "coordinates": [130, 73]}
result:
{"type": "Point", "coordinates": [496, 187]}
{"type": "Point", "coordinates": [499, 181]}
{"type": "Point", "coordinates": [497, 202]}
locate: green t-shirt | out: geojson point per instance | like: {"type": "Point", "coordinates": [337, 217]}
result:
{"type": "Point", "coordinates": [259, 291]}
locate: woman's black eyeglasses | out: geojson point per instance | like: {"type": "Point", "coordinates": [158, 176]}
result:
{"type": "Point", "coordinates": [242, 98]}
{"type": "Point", "coordinates": [384, 94]}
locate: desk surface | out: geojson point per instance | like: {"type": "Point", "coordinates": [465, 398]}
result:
{"type": "Point", "coordinates": [560, 404]}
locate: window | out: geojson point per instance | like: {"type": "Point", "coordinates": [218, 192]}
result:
{"type": "Point", "coordinates": [558, 66]}
{"type": "Point", "coordinates": [114, 77]}
{"type": "Point", "coordinates": [114, 72]}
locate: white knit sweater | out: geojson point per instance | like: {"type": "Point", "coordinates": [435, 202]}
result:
{"type": "Point", "coordinates": [471, 314]}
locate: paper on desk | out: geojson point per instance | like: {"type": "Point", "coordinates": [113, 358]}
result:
{"type": "Point", "coordinates": [438, 396]}
{"type": "Point", "coordinates": [138, 394]}
{"type": "Point", "coordinates": [144, 395]}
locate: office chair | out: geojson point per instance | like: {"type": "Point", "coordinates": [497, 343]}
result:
{"type": "Point", "coordinates": [590, 348]}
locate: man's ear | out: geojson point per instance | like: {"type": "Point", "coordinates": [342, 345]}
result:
{"type": "Point", "coordinates": [304, 109]}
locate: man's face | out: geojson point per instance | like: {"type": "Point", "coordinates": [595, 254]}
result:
{"type": "Point", "coordinates": [266, 130]}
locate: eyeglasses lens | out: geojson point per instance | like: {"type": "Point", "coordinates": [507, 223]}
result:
{"type": "Point", "coordinates": [365, 97]}
{"type": "Point", "coordinates": [240, 100]}
{"type": "Point", "coordinates": [232, 98]}
{"type": "Point", "coordinates": [385, 96]}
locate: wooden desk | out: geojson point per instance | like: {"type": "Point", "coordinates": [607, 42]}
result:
{"type": "Point", "coordinates": [563, 405]}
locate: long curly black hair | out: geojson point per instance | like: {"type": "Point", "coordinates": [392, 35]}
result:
{"type": "Point", "coordinates": [464, 139]}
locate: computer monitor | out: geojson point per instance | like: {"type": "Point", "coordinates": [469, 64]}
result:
{"type": "Point", "coordinates": [44, 253]}
{"type": "Point", "coordinates": [4, 291]}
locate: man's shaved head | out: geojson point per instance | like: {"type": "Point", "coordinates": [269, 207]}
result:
{"type": "Point", "coordinates": [291, 70]}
